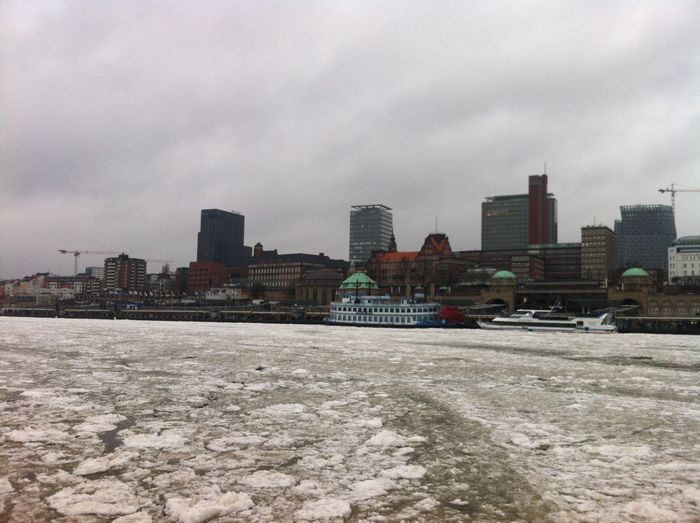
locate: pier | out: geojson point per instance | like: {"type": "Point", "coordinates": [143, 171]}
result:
{"type": "Point", "coordinates": [311, 315]}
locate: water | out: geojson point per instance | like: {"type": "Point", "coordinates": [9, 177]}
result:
{"type": "Point", "coordinates": [101, 420]}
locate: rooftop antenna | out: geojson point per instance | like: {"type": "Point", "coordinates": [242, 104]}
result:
{"type": "Point", "coordinates": [436, 229]}
{"type": "Point", "coordinates": [545, 167]}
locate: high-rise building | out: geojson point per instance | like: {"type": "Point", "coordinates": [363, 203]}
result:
{"type": "Point", "coordinates": [644, 234]}
{"type": "Point", "coordinates": [504, 221]}
{"type": "Point", "coordinates": [371, 229]}
{"type": "Point", "coordinates": [542, 213]}
{"type": "Point", "coordinates": [598, 252]}
{"type": "Point", "coordinates": [220, 238]}
{"type": "Point", "coordinates": [518, 220]}
{"type": "Point", "coordinates": [124, 274]}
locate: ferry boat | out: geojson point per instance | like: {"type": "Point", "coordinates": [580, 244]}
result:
{"type": "Point", "coordinates": [547, 320]}
{"type": "Point", "coordinates": [383, 311]}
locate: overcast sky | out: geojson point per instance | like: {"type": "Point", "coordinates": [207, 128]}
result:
{"type": "Point", "coordinates": [120, 120]}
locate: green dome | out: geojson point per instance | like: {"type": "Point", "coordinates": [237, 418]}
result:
{"type": "Point", "coordinates": [359, 280]}
{"type": "Point", "coordinates": [503, 275]}
{"type": "Point", "coordinates": [635, 272]}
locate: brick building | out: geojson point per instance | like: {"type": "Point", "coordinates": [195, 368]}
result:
{"type": "Point", "coordinates": [432, 267]}
{"type": "Point", "coordinates": [123, 273]}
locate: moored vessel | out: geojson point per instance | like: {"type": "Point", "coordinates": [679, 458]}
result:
{"type": "Point", "coordinates": [383, 311]}
{"type": "Point", "coordinates": [547, 320]}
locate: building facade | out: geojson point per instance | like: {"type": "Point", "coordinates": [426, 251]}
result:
{"type": "Point", "coordinates": [684, 261]}
{"type": "Point", "coordinates": [598, 252]}
{"type": "Point", "coordinates": [371, 229]}
{"type": "Point", "coordinates": [432, 268]}
{"type": "Point", "coordinates": [221, 237]}
{"type": "Point", "coordinates": [95, 272]}
{"type": "Point", "coordinates": [644, 234]}
{"type": "Point", "coordinates": [542, 213]}
{"type": "Point", "coordinates": [202, 276]}
{"type": "Point", "coordinates": [517, 220]}
{"type": "Point", "coordinates": [81, 285]}
{"type": "Point", "coordinates": [318, 287]}
{"type": "Point", "coordinates": [275, 276]}
{"type": "Point", "coordinates": [123, 273]}
{"type": "Point", "coordinates": [504, 222]}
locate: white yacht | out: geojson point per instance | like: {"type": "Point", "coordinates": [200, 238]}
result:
{"type": "Point", "coordinates": [383, 311]}
{"type": "Point", "coordinates": [547, 320]}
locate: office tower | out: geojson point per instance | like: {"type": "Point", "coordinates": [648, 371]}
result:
{"type": "Point", "coordinates": [220, 238]}
{"type": "Point", "coordinates": [598, 252]}
{"type": "Point", "coordinates": [122, 273]}
{"type": "Point", "coordinates": [542, 214]}
{"type": "Point", "coordinates": [504, 222]}
{"type": "Point", "coordinates": [371, 229]}
{"type": "Point", "coordinates": [644, 234]}
{"type": "Point", "coordinates": [518, 220]}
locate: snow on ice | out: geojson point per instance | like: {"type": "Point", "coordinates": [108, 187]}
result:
{"type": "Point", "coordinates": [125, 422]}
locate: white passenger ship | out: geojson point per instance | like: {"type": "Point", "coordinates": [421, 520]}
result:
{"type": "Point", "coordinates": [382, 311]}
{"type": "Point", "coordinates": [546, 320]}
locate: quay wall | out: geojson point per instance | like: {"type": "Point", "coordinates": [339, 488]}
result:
{"type": "Point", "coordinates": [625, 324]}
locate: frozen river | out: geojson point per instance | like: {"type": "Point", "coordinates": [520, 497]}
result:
{"type": "Point", "coordinates": [142, 421]}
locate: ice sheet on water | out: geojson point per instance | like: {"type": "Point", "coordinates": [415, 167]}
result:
{"type": "Point", "coordinates": [104, 463]}
{"type": "Point", "coordinates": [196, 509]}
{"type": "Point", "coordinates": [104, 497]}
{"type": "Point", "coordinates": [388, 438]}
{"type": "Point", "coordinates": [5, 485]}
{"type": "Point", "coordinates": [268, 479]}
{"type": "Point", "coordinates": [380, 426]}
{"type": "Point", "coordinates": [165, 440]}
{"type": "Point", "coordinates": [371, 488]}
{"type": "Point", "coordinates": [405, 472]}
{"type": "Point", "coordinates": [138, 517]}
{"type": "Point", "coordinates": [323, 510]}
{"type": "Point", "coordinates": [32, 435]}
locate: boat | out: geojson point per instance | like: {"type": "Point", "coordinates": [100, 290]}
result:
{"type": "Point", "coordinates": [384, 311]}
{"type": "Point", "coordinates": [548, 320]}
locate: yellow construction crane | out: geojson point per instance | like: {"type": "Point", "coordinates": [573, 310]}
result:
{"type": "Point", "coordinates": [76, 254]}
{"type": "Point", "coordinates": [673, 192]}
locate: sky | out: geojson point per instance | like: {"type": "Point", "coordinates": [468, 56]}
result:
{"type": "Point", "coordinates": [121, 120]}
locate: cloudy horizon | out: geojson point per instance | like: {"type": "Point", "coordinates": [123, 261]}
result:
{"type": "Point", "coordinates": [122, 120]}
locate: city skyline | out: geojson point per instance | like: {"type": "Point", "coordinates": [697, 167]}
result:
{"type": "Point", "coordinates": [122, 121]}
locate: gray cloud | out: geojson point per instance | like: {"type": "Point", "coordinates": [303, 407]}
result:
{"type": "Point", "coordinates": [122, 120]}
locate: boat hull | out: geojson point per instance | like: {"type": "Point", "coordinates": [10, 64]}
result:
{"type": "Point", "coordinates": [603, 329]}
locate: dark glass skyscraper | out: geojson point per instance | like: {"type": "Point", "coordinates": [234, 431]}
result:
{"type": "Point", "coordinates": [518, 220]}
{"type": "Point", "coordinates": [220, 238]}
{"type": "Point", "coordinates": [371, 229]}
{"type": "Point", "coordinates": [644, 234]}
{"type": "Point", "coordinates": [538, 210]}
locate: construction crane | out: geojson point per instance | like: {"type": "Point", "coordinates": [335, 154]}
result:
{"type": "Point", "coordinates": [673, 192]}
{"type": "Point", "coordinates": [76, 254]}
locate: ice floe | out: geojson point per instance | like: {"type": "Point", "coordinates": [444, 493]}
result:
{"type": "Point", "coordinates": [196, 509]}
{"type": "Point", "coordinates": [164, 440]}
{"type": "Point", "coordinates": [267, 479]}
{"type": "Point", "coordinates": [104, 497]}
{"type": "Point", "coordinates": [371, 488]}
{"type": "Point", "coordinates": [31, 435]}
{"type": "Point", "coordinates": [323, 510]}
{"type": "Point", "coordinates": [104, 463]}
